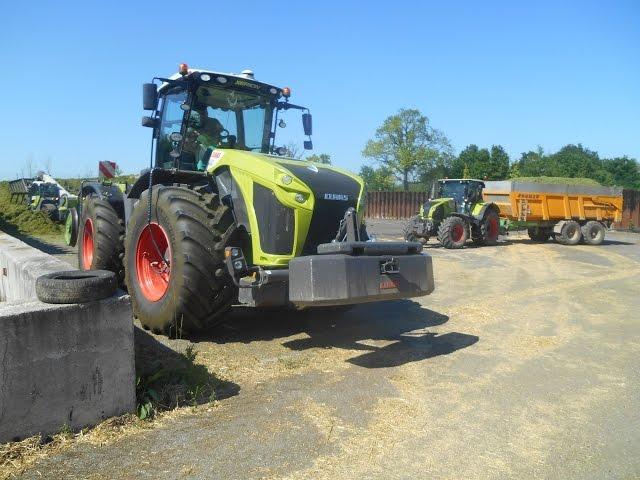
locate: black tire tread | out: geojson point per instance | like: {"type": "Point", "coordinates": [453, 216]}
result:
{"type": "Point", "coordinates": [203, 227]}
{"type": "Point", "coordinates": [586, 230]}
{"type": "Point", "coordinates": [444, 232]}
{"type": "Point", "coordinates": [108, 236]}
{"type": "Point", "coordinates": [76, 286]}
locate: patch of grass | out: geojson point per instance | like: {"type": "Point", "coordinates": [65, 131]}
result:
{"type": "Point", "coordinates": [17, 218]}
{"type": "Point", "coordinates": [174, 384]}
{"type": "Point", "coordinates": [557, 180]}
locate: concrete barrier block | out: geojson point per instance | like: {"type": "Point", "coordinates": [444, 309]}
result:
{"type": "Point", "coordinates": [64, 365]}
{"type": "Point", "coordinates": [59, 364]}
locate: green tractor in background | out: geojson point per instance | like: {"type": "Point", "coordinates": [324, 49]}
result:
{"type": "Point", "coordinates": [454, 213]}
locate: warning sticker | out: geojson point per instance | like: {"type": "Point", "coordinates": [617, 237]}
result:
{"type": "Point", "coordinates": [215, 156]}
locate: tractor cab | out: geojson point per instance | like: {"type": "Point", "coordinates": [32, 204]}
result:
{"type": "Point", "coordinates": [197, 112]}
{"type": "Point", "coordinates": [464, 192]}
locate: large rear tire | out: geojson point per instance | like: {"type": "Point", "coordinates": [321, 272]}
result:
{"type": "Point", "coordinates": [453, 232]}
{"type": "Point", "coordinates": [100, 237]}
{"type": "Point", "coordinates": [593, 232]}
{"type": "Point", "coordinates": [570, 233]}
{"type": "Point", "coordinates": [174, 261]}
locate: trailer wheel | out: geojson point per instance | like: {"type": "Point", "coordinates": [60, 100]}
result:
{"type": "Point", "coordinates": [593, 233]}
{"type": "Point", "coordinates": [453, 232]}
{"type": "Point", "coordinates": [174, 260]}
{"type": "Point", "coordinates": [570, 233]}
{"type": "Point", "coordinates": [538, 234]}
{"type": "Point", "coordinates": [100, 237]}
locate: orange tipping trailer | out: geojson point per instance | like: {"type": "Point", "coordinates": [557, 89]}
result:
{"type": "Point", "coordinates": [569, 213]}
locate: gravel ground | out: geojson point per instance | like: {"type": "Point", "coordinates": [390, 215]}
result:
{"type": "Point", "coordinates": [522, 364]}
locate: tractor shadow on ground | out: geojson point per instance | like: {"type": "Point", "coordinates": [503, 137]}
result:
{"type": "Point", "coordinates": [388, 333]}
{"type": "Point", "coordinates": [176, 377]}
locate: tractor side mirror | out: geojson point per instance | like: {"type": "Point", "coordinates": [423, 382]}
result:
{"type": "Point", "coordinates": [307, 124]}
{"type": "Point", "coordinates": [149, 122]}
{"type": "Point", "coordinates": [308, 145]}
{"type": "Point", "coordinates": [149, 96]}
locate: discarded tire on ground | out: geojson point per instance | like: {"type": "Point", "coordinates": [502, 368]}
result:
{"type": "Point", "coordinates": [76, 286]}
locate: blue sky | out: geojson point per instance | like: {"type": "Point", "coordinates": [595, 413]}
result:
{"type": "Point", "coordinates": [519, 74]}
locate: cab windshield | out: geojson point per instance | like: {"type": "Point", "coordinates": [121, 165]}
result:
{"type": "Point", "coordinates": [455, 190]}
{"type": "Point", "coordinates": [217, 118]}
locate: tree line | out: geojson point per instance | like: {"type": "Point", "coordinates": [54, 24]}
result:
{"type": "Point", "coordinates": [409, 154]}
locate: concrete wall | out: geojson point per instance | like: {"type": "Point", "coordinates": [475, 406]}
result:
{"type": "Point", "coordinates": [59, 364]}
{"type": "Point", "coordinates": [21, 265]}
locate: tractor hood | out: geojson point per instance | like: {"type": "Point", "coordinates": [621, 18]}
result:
{"type": "Point", "coordinates": [326, 182]}
{"type": "Point", "coordinates": [319, 193]}
{"type": "Point", "coordinates": [429, 207]}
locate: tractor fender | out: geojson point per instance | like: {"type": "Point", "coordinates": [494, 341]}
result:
{"type": "Point", "coordinates": [165, 176]}
{"type": "Point", "coordinates": [485, 208]}
{"type": "Point", "coordinates": [108, 192]}
{"type": "Point", "coordinates": [557, 228]}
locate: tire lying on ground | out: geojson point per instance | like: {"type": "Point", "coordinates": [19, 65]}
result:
{"type": "Point", "coordinates": [453, 232]}
{"type": "Point", "coordinates": [100, 237]}
{"type": "Point", "coordinates": [76, 286]}
{"type": "Point", "coordinates": [174, 261]}
{"type": "Point", "coordinates": [570, 233]}
{"type": "Point", "coordinates": [593, 232]}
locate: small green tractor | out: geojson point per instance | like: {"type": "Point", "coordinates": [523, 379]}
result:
{"type": "Point", "coordinates": [224, 217]}
{"type": "Point", "coordinates": [455, 213]}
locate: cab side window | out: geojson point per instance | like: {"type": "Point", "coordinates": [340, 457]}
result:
{"type": "Point", "coordinates": [172, 116]}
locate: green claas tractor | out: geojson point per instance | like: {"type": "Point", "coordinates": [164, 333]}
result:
{"type": "Point", "coordinates": [223, 217]}
{"type": "Point", "coordinates": [455, 213]}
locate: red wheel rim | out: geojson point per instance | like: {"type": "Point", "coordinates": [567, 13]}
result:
{"type": "Point", "coordinates": [493, 228]}
{"type": "Point", "coordinates": [87, 244]}
{"type": "Point", "coordinates": [153, 262]}
{"type": "Point", "coordinates": [457, 232]}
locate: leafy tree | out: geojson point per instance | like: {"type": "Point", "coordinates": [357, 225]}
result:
{"type": "Point", "coordinates": [320, 158]}
{"type": "Point", "coordinates": [624, 171]}
{"type": "Point", "coordinates": [474, 162]}
{"type": "Point", "coordinates": [377, 179]}
{"type": "Point", "coordinates": [406, 144]}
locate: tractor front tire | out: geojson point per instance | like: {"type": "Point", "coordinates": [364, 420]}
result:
{"type": "Point", "coordinates": [175, 270]}
{"type": "Point", "coordinates": [410, 235]}
{"type": "Point", "coordinates": [570, 233]}
{"type": "Point", "coordinates": [453, 232]}
{"type": "Point", "coordinates": [100, 237]}
{"type": "Point", "coordinates": [593, 232]}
